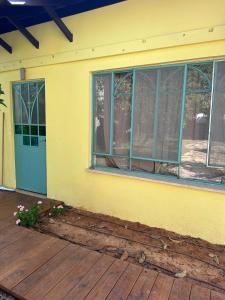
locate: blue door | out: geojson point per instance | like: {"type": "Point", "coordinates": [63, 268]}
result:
{"type": "Point", "coordinates": [30, 135]}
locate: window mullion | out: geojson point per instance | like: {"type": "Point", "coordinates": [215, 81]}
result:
{"type": "Point", "coordinates": [111, 115]}
{"type": "Point", "coordinates": [93, 122]}
{"type": "Point", "coordinates": [182, 117]}
{"type": "Point", "coordinates": [210, 114]}
{"type": "Point", "coordinates": [156, 114]}
{"type": "Point", "coordinates": [21, 105]}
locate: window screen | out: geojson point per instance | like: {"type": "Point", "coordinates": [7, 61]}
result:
{"type": "Point", "coordinates": [163, 120]}
{"type": "Point", "coordinates": [102, 100]}
{"type": "Point", "coordinates": [216, 151]}
{"type": "Point", "coordinates": [157, 113]}
{"type": "Point", "coordinates": [122, 112]}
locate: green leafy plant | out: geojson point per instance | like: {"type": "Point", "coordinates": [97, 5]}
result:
{"type": "Point", "coordinates": [2, 102]}
{"type": "Point", "coordinates": [57, 211]}
{"type": "Point", "coordinates": [28, 217]}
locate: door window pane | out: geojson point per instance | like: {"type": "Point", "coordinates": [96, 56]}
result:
{"type": "Point", "coordinates": [26, 140]}
{"type": "Point", "coordinates": [26, 129]}
{"type": "Point", "coordinates": [25, 103]}
{"type": "Point", "coordinates": [34, 141]}
{"type": "Point", "coordinates": [33, 89]}
{"type": "Point", "coordinates": [42, 130]}
{"type": "Point", "coordinates": [41, 102]}
{"type": "Point", "coordinates": [17, 104]}
{"type": "Point", "coordinates": [34, 130]}
{"type": "Point", "coordinates": [18, 129]}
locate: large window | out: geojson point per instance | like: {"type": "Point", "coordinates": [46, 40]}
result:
{"type": "Point", "coordinates": [167, 120]}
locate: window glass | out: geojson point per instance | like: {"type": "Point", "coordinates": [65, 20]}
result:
{"type": "Point", "coordinates": [155, 167]}
{"type": "Point", "coordinates": [144, 112]}
{"type": "Point", "coordinates": [196, 128]}
{"type": "Point", "coordinates": [157, 110]}
{"type": "Point", "coordinates": [157, 113]}
{"type": "Point", "coordinates": [217, 134]}
{"type": "Point", "coordinates": [169, 114]}
{"type": "Point", "coordinates": [102, 85]}
{"type": "Point", "coordinates": [112, 162]}
{"type": "Point", "coordinates": [122, 113]}
{"type": "Point", "coordinates": [199, 77]}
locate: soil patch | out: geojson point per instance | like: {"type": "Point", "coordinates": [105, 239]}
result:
{"type": "Point", "coordinates": [164, 251]}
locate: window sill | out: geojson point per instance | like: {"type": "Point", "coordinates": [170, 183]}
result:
{"type": "Point", "coordinates": [187, 183]}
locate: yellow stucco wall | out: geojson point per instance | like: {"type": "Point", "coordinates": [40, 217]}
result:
{"type": "Point", "coordinates": [133, 33]}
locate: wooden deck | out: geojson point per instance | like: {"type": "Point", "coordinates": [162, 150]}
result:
{"type": "Point", "coordinates": [10, 200]}
{"type": "Point", "coordinates": [37, 266]}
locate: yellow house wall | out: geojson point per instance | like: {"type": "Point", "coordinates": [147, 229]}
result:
{"type": "Point", "coordinates": [109, 38]}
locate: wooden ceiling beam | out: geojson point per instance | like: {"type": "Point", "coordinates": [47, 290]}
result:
{"type": "Point", "coordinates": [68, 34]}
{"type": "Point", "coordinates": [25, 32]}
{"type": "Point", "coordinates": [5, 45]}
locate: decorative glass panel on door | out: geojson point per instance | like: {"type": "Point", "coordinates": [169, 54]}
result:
{"type": "Point", "coordinates": [29, 110]}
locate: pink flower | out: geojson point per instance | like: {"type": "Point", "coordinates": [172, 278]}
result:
{"type": "Point", "coordinates": [17, 221]}
{"type": "Point", "coordinates": [15, 213]}
{"type": "Point", "coordinates": [21, 208]}
{"type": "Point", "coordinates": [60, 206]}
{"type": "Point", "coordinates": [26, 210]}
{"type": "Point", "coordinates": [18, 206]}
{"type": "Point", "coordinates": [39, 202]}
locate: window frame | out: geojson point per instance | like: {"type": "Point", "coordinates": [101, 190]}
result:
{"type": "Point", "coordinates": [130, 157]}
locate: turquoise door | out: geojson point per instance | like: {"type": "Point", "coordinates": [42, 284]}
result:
{"type": "Point", "coordinates": [30, 135]}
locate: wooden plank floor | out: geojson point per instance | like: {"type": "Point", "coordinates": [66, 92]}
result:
{"type": "Point", "coordinates": [37, 266]}
{"type": "Point", "coordinates": [10, 200]}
